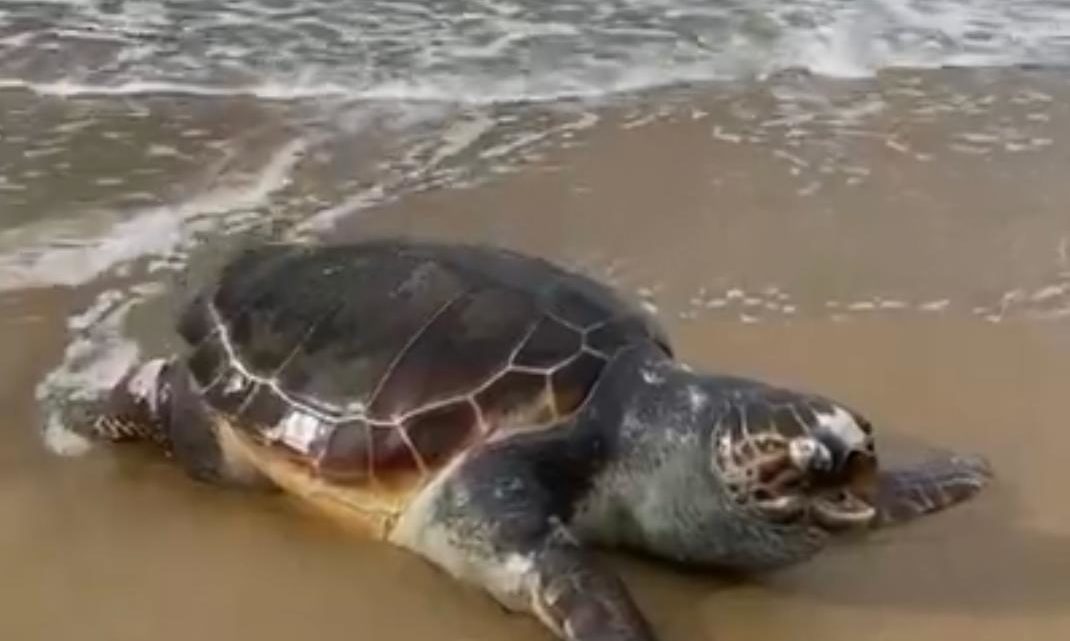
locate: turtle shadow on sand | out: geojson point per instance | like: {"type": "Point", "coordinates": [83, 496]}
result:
{"type": "Point", "coordinates": [975, 560]}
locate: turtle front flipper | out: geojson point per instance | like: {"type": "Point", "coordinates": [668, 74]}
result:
{"type": "Point", "coordinates": [495, 522]}
{"type": "Point", "coordinates": [579, 599]}
{"type": "Point", "coordinates": [906, 493]}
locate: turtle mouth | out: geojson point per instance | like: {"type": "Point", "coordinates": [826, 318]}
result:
{"type": "Point", "coordinates": [845, 500]}
{"type": "Point", "coordinates": [841, 510]}
{"type": "Point", "coordinates": [832, 497]}
{"type": "Point", "coordinates": [836, 509]}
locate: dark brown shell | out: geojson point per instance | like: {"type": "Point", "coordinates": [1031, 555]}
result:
{"type": "Point", "coordinates": [383, 358]}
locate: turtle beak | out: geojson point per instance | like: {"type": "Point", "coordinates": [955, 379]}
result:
{"type": "Point", "coordinates": [782, 509]}
{"type": "Point", "coordinates": [841, 490]}
{"type": "Point", "coordinates": [841, 510]}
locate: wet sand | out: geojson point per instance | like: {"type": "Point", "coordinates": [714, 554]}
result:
{"type": "Point", "coordinates": [932, 294]}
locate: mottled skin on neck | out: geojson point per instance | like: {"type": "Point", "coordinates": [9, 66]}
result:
{"type": "Point", "coordinates": [659, 492]}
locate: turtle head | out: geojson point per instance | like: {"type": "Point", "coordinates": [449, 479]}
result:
{"type": "Point", "coordinates": [136, 406]}
{"type": "Point", "coordinates": [796, 460]}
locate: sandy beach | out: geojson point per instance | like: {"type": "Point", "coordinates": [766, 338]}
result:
{"type": "Point", "coordinates": [908, 259]}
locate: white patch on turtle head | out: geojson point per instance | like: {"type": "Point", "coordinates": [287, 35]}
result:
{"type": "Point", "coordinates": [298, 430]}
{"type": "Point", "coordinates": [652, 377]}
{"type": "Point", "coordinates": [809, 453]}
{"type": "Point", "coordinates": [843, 426]}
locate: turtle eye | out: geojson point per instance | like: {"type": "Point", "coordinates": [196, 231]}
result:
{"type": "Point", "coordinates": [809, 454]}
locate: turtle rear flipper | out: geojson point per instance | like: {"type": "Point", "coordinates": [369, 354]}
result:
{"type": "Point", "coordinates": [136, 407]}
{"type": "Point", "coordinates": [906, 493]}
{"type": "Point", "coordinates": [158, 401]}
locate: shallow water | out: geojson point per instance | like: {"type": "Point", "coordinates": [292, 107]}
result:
{"type": "Point", "coordinates": [498, 50]}
{"type": "Point", "coordinates": [895, 238]}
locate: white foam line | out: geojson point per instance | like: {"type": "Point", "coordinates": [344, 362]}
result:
{"type": "Point", "coordinates": [65, 258]}
{"type": "Point", "coordinates": [60, 260]}
{"type": "Point", "coordinates": [327, 218]}
{"type": "Point", "coordinates": [265, 91]}
{"type": "Point", "coordinates": [455, 140]}
{"type": "Point", "coordinates": [935, 305]}
{"type": "Point", "coordinates": [503, 149]}
{"type": "Point", "coordinates": [457, 91]}
{"type": "Point", "coordinates": [459, 137]}
{"type": "Point", "coordinates": [1050, 292]}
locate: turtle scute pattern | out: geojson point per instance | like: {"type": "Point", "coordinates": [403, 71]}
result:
{"type": "Point", "coordinates": [373, 362]}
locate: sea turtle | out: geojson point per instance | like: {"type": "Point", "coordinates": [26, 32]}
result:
{"type": "Point", "coordinates": [498, 414]}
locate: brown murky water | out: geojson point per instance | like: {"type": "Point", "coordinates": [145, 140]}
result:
{"type": "Point", "coordinates": [933, 293]}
